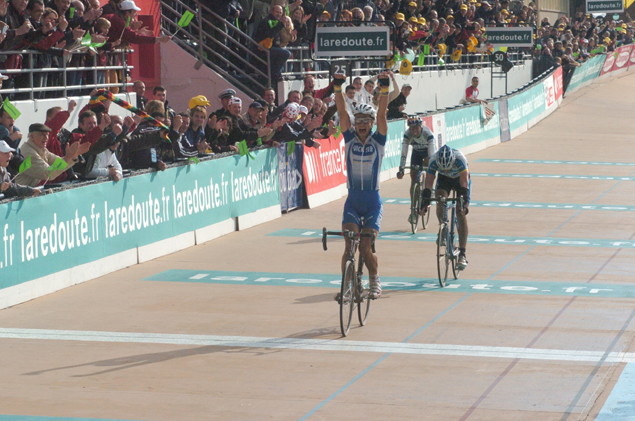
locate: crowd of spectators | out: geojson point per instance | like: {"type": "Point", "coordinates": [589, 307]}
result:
{"type": "Point", "coordinates": [569, 42]}
{"type": "Point", "coordinates": [75, 33]}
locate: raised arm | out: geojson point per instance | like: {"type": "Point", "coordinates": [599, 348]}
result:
{"type": "Point", "coordinates": [382, 107]}
{"type": "Point", "coordinates": [338, 81]}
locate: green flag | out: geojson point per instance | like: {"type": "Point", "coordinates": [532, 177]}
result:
{"type": "Point", "coordinates": [421, 59]}
{"type": "Point", "coordinates": [290, 148]}
{"type": "Point", "coordinates": [244, 150]}
{"type": "Point", "coordinates": [58, 165]}
{"type": "Point", "coordinates": [128, 22]}
{"type": "Point", "coordinates": [10, 109]}
{"type": "Point", "coordinates": [193, 160]}
{"type": "Point", "coordinates": [185, 19]}
{"type": "Point", "coordinates": [25, 165]}
{"type": "Point", "coordinates": [426, 49]}
{"type": "Point", "coordinates": [338, 132]}
{"type": "Point", "coordinates": [71, 12]}
{"type": "Point", "coordinates": [259, 141]}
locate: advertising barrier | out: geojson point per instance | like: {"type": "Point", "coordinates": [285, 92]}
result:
{"type": "Point", "coordinates": [89, 223]}
{"type": "Point", "coordinates": [290, 177]}
{"type": "Point", "coordinates": [464, 128]}
{"type": "Point", "coordinates": [585, 74]}
{"type": "Point", "coordinates": [325, 171]}
{"type": "Point", "coordinates": [524, 108]}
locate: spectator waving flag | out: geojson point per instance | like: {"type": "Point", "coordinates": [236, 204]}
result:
{"type": "Point", "coordinates": [102, 95]}
{"type": "Point", "coordinates": [184, 21]}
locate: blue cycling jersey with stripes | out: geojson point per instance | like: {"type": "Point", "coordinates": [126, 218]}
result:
{"type": "Point", "coordinates": [363, 160]}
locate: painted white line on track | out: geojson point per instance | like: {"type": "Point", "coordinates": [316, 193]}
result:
{"type": "Point", "coordinates": [320, 345]}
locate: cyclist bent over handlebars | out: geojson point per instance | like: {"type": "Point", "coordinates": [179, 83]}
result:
{"type": "Point", "coordinates": [453, 175]}
{"type": "Point", "coordinates": [364, 152]}
{"type": "Point", "coordinates": [423, 147]}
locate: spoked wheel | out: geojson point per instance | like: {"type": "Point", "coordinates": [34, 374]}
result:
{"type": "Point", "coordinates": [454, 237]}
{"type": "Point", "coordinates": [363, 299]}
{"type": "Point", "coordinates": [347, 297]}
{"type": "Point", "coordinates": [443, 259]}
{"type": "Point", "coordinates": [414, 208]}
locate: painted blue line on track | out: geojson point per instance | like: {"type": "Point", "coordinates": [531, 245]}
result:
{"type": "Point", "coordinates": [556, 176]}
{"type": "Point", "coordinates": [539, 161]}
{"type": "Point", "coordinates": [383, 357]}
{"type": "Point", "coordinates": [528, 205]}
{"type": "Point", "coordinates": [620, 405]}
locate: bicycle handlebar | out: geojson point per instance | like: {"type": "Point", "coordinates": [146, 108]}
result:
{"type": "Point", "coordinates": [347, 234]}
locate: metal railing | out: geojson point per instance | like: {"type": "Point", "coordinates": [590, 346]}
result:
{"type": "Point", "coordinates": [302, 63]}
{"type": "Point", "coordinates": [234, 54]}
{"type": "Point", "coordinates": [29, 77]}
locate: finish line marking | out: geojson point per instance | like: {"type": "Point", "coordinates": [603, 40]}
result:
{"type": "Point", "coordinates": [319, 345]}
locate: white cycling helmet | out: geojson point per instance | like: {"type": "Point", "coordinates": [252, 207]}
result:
{"type": "Point", "coordinates": [445, 158]}
{"type": "Point", "coordinates": [291, 111]}
{"type": "Point", "coordinates": [364, 109]}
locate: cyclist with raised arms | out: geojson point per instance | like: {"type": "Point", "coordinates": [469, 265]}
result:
{"type": "Point", "coordinates": [423, 147]}
{"type": "Point", "coordinates": [364, 152]}
{"type": "Point", "coordinates": [451, 166]}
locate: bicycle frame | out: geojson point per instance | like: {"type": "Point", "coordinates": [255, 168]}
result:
{"type": "Point", "coordinates": [416, 198]}
{"type": "Point", "coordinates": [449, 229]}
{"type": "Point", "coordinates": [357, 294]}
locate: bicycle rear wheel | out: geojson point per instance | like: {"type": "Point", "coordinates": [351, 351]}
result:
{"type": "Point", "coordinates": [414, 208]}
{"type": "Point", "coordinates": [363, 299]}
{"type": "Point", "coordinates": [443, 260]}
{"type": "Point", "coordinates": [347, 297]}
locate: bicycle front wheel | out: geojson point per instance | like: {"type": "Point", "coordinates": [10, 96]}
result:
{"type": "Point", "coordinates": [347, 297]}
{"type": "Point", "coordinates": [454, 238]}
{"type": "Point", "coordinates": [443, 260]}
{"type": "Point", "coordinates": [363, 299]}
{"type": "Point", "coordinates": [415, 204]}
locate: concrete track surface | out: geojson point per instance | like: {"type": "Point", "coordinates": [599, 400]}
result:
{"type": "Point", "coordinates": [538, 327]}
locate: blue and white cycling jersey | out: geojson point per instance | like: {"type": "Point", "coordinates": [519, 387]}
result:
{"type": "Point", "coordinates": [424, 145]}
{"type": "Point", "coordinates": [363, 160]}
{"type": "Point", "coordinates": [460, 165]}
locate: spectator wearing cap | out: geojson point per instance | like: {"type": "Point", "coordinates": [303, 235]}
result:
{"type": "Point", "coordinates": [42, 159]}
{"type": "Point", "coordinates": [461, 17]}
{"type": "Point", "coordinates": [225, 98]}
{"type": "Point", "coordinates": [240, 130]}
{"type": "Point", "coordinates": [256, 118]}
{"type": "Point", "coordinates": [140, 89]}
{"type": "Point", "coordinates": [7, 187]}
{"type": "Point", "coordinates": [199, 100]}
{"type": "Point", "coordinates": [411, 10]}
{"type": "Point", "coordinates": [119, 29]}
{"type": "Point", "coordinates": [397, 106]}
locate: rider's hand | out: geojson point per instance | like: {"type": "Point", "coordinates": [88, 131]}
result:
{"type": "Point", "coordinates": [400, 174]}
{"type": "Point", "coordinates": [426, 195]}
{"type": "Point", "coordinates": [464, 194]}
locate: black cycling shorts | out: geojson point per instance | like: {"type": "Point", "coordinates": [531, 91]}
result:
{"type": "Point", "coordinates": [448, 184]}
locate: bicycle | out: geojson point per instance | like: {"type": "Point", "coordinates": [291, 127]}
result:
{"type": "Point", "coordinates": [417, 198]}
{"type": "Point", "coordinates": [354, 291]}
{"type": "Point", "coordinates": [448, 253]}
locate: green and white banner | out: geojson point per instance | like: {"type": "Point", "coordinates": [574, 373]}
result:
{"type": "Point", "coordinates": [51, 233]}
{"type": "Point", "coordinates": [525, 106]}
{"type": "Point", "coordinates": [394, 139]}
{"type": "Point", "coordinates": [465, 127]}
{"type": "Point", "coordinates": [588, 71]}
